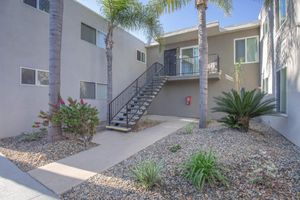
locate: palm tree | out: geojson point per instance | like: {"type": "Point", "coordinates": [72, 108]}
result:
{"type": "Point", "coordinates": [129, 14]}
{"type": "Point", "coordinates": [55, 34]}
{"type": "Point", "coordinates": [201, 6]}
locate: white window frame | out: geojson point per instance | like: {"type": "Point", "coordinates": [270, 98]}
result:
{"type": "Point", "coordinates": [142, 52]}
{"type": "Point", "coordinates": [97, 38]}
{"type": "Point", "coordinates": [36, 77]}
{"type": "Point", "coordinates": [181, 57]}
{"type": "Point", "coordinates": [245, 38]}
{"type": "Point", "coordinates": [96, 93]}
{"type": "Point", "coordinates": [286, 89]}
{"type": "Point", "coordinates": [37, 6]}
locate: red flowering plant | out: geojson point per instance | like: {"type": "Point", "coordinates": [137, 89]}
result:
{"type": "Point", "coordinates": [77, 118]}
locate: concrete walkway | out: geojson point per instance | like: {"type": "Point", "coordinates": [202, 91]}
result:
{"type": "Point", "coordinates": [18, 185]}
{"type": "Point", "coordinates": [114, 147]}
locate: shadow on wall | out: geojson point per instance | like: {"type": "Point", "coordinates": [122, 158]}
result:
{"type": "Point", "coordinates": [287, 47]}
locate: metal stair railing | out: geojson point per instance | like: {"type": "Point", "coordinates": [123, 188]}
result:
{"type": "Point", "coordinates": [122, 100]}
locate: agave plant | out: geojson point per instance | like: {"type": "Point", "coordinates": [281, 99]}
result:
{"type": "Point", "coordinates": [242, 106]}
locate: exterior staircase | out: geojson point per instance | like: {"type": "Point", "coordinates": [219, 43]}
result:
{"type": "Point", "coordinates": [128, 107]}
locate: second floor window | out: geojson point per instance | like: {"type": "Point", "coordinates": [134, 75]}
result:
{"type": "Point", "coordinates": [92, 36]}
{"type": "Point", "coordinates": [246, 50]}
{"type": "Point", "coordinates": [140, 56]}
{"type": "Point", "coordinates": [39, 4]}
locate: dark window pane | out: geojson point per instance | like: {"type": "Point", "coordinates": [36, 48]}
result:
{"type": "Point", "coordinates": [43, 78]}
{"type": "Point", "coordinates": [240, 51]}
{"type": "Point", "coordinates": [44, 5]}
{"type": "Point", "coordinates": [88, 33]}
{"type": "Point", "coordinates": [87, 90]}
{"type": "Point", "coordinates": [28, 76]}
{"type": "Point", "coordinates": [32, 3]}
{"type": "Point", "coordinates": [138, 55]}
{"type": "Point", "coordinates": [278, 91]}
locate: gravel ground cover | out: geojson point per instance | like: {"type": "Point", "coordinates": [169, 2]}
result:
{"type": "Point", "coordinates": [30, 152]}
{"type": "Point", "coordinates": [260, 164]}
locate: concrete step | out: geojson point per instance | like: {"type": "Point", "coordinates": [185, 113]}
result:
{"type": "Point", "coordinates": [118, 128]}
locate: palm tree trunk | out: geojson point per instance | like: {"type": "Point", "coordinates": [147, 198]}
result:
{"type": "Point", "coordinates": [55, 35]}
{"type": "Point", "coordinates": [203, 62]}
{"type": "Point", "coordinates": [109, 57]}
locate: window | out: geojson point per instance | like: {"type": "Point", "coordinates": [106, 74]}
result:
{"type": "Point", "coordinates": [91, 90]}
{"type": "Point", "coordinates": [281, 96]}
{"type": "Point", "coordinates": [266, 85]}
{"type": "Point", "coordinates": [101, 91]}
{"type": "Point", "coordinates": [34, 77]}
{"type": "Point", "coordinates": [282, 11]}
{"type": "Point", "coordinates": [88, 33]}
{"type": "Point", "coordinates": [101, 39]}
{"type": "Point", "coordinates": [189, 63]}
{"type": "Point", "coordinates": [39, 4]}
{"type": "Point", "coordinates": [28, 76]}
{"type": "Point", "coordinates": [140, 56]}
{"type": "Point", "coordinates": [266, 26]}
{"type": "Point", "coordinates": [42, 77]}
{"type": "Point", "coordinates": [246, 50]}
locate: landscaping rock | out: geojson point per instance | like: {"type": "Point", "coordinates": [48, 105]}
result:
{"type": "Point", "coordinates": [30, 154]}
{"type": "Point", "coordinates": [260, 164]}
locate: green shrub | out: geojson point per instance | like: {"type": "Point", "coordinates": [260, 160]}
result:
{"type": "Point", "coordinates": [33, 136]}
{"type": "Point", "coordinates": [188, 129]}
{"type": "Point", "coordinates": [243, 106]}
{"type": "Point", "coordinates": [175, 148]}
{"type": "Point", "coordinates": [147, 173]}
{"type": "Point", "coordinates": [203, 168]}
{"type": "Point", "coordinates": [77, 118]}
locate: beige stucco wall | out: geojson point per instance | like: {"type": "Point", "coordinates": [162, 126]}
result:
{"type": "Point", "coordinates": [171, 100]}
{"type": "Point", "coordinates": [287, 54]}
{"type": "Point", "coordinates": [24, 43]}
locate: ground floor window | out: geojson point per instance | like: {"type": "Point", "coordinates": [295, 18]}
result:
{"type": "Point", "coordinates": [266, 85]}
{"type": "Point", "coordinates": [92, 90]}
{"type": "Point", "coordinates": [281, 87]}
{"type": "Point", "coordinates": [31, 76]}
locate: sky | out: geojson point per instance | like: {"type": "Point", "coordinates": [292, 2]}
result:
{"type": "Point", "coordinates": [243, 11]}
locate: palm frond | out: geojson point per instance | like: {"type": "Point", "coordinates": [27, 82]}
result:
{"type": "Point", "coordinates": [226, 5]}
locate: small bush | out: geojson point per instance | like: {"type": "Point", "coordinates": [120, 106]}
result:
{"type": "Point", "coordinates": [175, 148]}
{"type": "Point", "coordinates": [147, 174]}
{"type": "Point", "coordinates": [33, 136]}
{"type": "Point", "coordinates": [242, 106]}
{"type": "Point", "coordinates": [77, 118]}
{"type": "Point", "coordinates": [203, 168]}
{"type": "Point", "coordinates": [188, 129]}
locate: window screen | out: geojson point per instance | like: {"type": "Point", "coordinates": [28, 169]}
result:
{"type": "Point", "coordinates": [32, 3]}
{"type": "Point", "coordinates": [28, 76]}
{"type": "Point", "coordinates": [88, 33]}
{"type": "Point", "coordinates": [87, 90]}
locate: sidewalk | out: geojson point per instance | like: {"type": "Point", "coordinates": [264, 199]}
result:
{"type": "Point", "coordinates": [62, 175]}
{"type": "Point", "coordinates": [18, 185]}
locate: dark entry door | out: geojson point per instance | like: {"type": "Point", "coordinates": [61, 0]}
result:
{"type": "Point", "coordinates": [170, 62]}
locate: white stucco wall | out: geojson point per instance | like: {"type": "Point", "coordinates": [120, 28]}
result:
{"type": "Point", "coordinates": [24, 43]}
{"type": "Point", "coordinates": [287, 54]}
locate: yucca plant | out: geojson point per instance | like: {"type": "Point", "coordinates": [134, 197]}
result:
{"type": "Point", "coordinates": [147, 173]}
{"type": "Point", "coordinates": [242, 106]}
{"type": "Point", "coordinates": [203, 168]}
